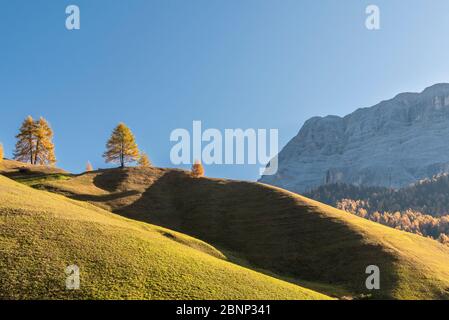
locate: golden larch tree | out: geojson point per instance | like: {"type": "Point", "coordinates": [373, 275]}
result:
{"type": "Point", "coordinates": [1, 152]}
{"type": "Point", "coordinates": [121, 147]}
{"type": "Point", "coordinates": [26, 141]}
{"type": "Point", "coordinates": [89, 167]}
{"type": "Point", "coordinates": [44, 152]}
{"type": "Point", "coordinates": [197, 169]}
{"type": "Point", "coordinates": [35, 142]}
{"type": "Point", "coordinates": [444, 239]}
{"type": "Point", "coordinates": [144, 160]}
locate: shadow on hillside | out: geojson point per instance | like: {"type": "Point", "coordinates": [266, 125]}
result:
{"type": "Point", "coordinates": [270, 229]}
{"type": "Point", "coordinates": [35, 178]}
{"type": "Point", "coordinates": [110, 179]}
{"type": "Point", "coordinates": [105, 197]}
{"type": "Point", "coordinates": [157, 203]}
{"type": "Point", "coordinates": [25, 173]}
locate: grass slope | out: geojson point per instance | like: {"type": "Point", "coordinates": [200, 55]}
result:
{"type": "Point", "coordinates": [42, 233]}
{"type": "Point", "coordinates": [31, 174]}
{"type": "Point", "coordinates": [273, 230]}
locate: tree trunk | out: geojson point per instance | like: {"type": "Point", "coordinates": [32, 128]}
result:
{"type": "Point", "coordinates": [36, 152]}
{"type": "Point", "coordinates": [122, 156]}
{"type": "Point", "coordinates": [30, 141]}
{"type": "Point", "coordinates": [31, 156]}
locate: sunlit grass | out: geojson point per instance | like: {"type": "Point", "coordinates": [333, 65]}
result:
{"type": "Point", "coordinates": [42, 233]}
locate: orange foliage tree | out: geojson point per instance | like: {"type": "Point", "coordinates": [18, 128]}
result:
{"type": "Point", "coordinates": [197, 169]}
{"type": "Point", "coordinates": [121, 147]}
{"type": "Point", "coordinates": [144, 160]}
{"type": "Point", "coordinates": [34, 142]}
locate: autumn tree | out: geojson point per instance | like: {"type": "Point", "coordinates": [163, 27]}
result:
{"type": "Point", "coordinates": [197, 169]}
{"type": "Point", "coordinates": [89, 167]}
{"type": "Point", "coordinates": [26, 141]}
{"type": "Point", "coordinates": [1, 152]}
{"type": "Point", "coordinates": [144, 160]}
{"type": "Point", "coordinates": [121, 147]}
{"type": "Point", "coordinates": [45, 149]}
{"type": "Point", "coordinates": [444, 239]}
{"type": "Point", "coordinates": [34, 142]}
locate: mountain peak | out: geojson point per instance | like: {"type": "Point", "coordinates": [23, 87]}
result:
{"type": "Point", "coordinates": [437, 88]}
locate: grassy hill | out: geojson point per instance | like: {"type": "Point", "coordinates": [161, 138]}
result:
{"type": "Point", "coordinates": [42, 233]}
{"type": "Point", "coordinates": [272, 230]}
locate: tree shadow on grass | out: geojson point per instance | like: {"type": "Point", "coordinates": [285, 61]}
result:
{"type": "Point", "coordinates": [110, 179]}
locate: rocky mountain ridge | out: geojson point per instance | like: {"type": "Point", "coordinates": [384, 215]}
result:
{"type": "Point", "coordinates": [392, 144]}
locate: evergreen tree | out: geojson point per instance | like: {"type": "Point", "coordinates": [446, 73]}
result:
{"type": "Point", "coordinates": [121, 147]}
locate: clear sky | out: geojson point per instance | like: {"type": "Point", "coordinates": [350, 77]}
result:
{"type": "Point", "coordinates": [158, 65]}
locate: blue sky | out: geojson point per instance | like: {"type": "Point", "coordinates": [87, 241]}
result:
{"type": "Point", "coordinates": [158, 65]}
